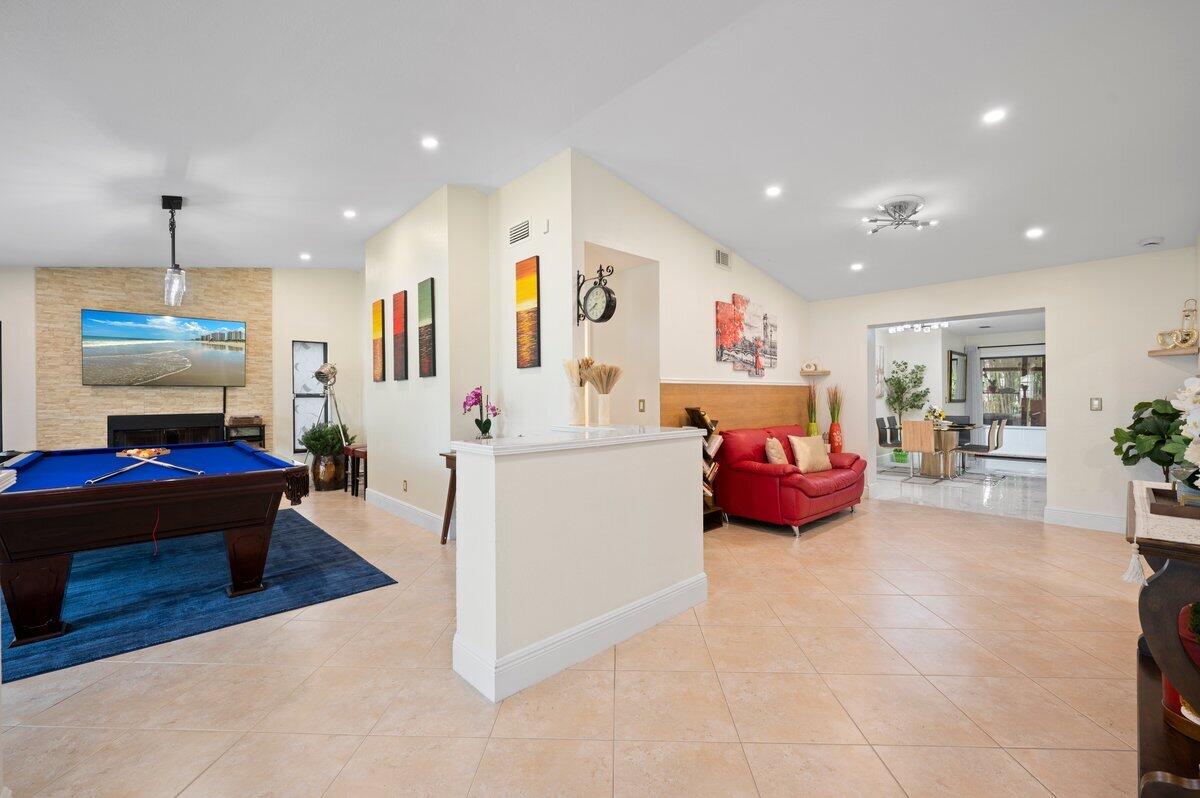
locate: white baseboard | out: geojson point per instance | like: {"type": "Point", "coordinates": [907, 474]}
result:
{"type": "Point", "coordinates": [409, 512]}
{"type": "Point", "coordinates": [1084, 520]}
{"type": "Point", "coordinates": [498, 679]}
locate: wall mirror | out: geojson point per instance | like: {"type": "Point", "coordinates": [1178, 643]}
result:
{"type": "Point", "coordinates": [956, 376]}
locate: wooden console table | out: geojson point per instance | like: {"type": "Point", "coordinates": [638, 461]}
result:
{"type": "Point", "coordinates": [1168, 761]}
{"type": "Point", "coordinates": [451, 461]}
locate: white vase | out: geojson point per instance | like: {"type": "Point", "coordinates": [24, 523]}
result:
{"type": "Point", "coordinates": [579, 405]}
{"type": "Point", "coordinates": [603, 410]}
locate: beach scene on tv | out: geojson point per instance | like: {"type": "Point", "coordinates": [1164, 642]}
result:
{"type": "Point", "coordinates": [142, 349]}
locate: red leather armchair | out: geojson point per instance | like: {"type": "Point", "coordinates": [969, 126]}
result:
{"type": "Point", "coordinates": [750, 487]}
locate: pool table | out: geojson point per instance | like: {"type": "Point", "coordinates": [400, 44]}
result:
{"type": "Point", "coordinates": [50, 513]}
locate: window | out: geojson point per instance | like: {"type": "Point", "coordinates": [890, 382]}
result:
{"type": "Point", "coordinates": [1014, 387]}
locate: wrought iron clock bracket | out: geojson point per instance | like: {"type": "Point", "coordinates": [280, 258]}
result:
{"type": "Point", "coordinates": [602, 275]}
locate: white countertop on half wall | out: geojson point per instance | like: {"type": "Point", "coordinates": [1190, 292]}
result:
{"type": "Point", "coordinates": [561, 438]}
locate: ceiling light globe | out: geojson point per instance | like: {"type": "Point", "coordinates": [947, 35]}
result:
{"type": "Point", "coordinates": [1034, 233]}
{"type": "Point", "coordinates": [773, 191]}
{"type": "Point", "coordinates": [856, 267]}
{"type": "Point", "coordinates": [305, 256]}
{"type": "Point", "coordinates": [994, 116]}
{"type": "Point", "coordinates": [349, 213]}
{"type": "Point", "coordinates": [933, 222]}
{"type": "Point", "coordinates": [429, 143]}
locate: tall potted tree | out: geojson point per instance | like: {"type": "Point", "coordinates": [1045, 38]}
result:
{"type": "Point", "coordinates": [904, 390]}
{"type": "Point", "coordinates": [324, 443]}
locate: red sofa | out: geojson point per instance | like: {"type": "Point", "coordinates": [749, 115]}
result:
{"type": "Point", "coordinates": [750, 487]}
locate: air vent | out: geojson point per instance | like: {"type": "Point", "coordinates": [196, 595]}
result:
{"type": "Point", "coordinates": [518, 232]}
{"type": "Point", "coordinates": [1151, 242]}
{"type": "Point", "coordinates": [722, 258]}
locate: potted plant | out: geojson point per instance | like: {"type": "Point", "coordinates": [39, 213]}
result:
{"type": "Point", "coordinates": [904, 391]}
{"type": "Point", "coordinates": [812, 429]}
{"type": "Point", "coordinates": [836, 441]}
{"type": "Point", "coordinates": [1155, 434]}
{"type": "Point", "coordinates": [324, 442]}
{"type": "Point", "coordinates": [487, 411]}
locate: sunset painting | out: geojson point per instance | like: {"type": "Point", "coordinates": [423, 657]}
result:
{"type": "Point", "coordinates": [400, 335]}
{"type": "Point", "coordinates": [529, 315]}
{"type": "Point", "coordinates": [377, 363]}
{"type": "Point", "coordinates": [426, 353]}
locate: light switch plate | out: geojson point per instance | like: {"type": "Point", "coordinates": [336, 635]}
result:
{"type": "Point", "coordinates": [641, 405]}
{"type": "Point", "coordinates": [1095, 403]}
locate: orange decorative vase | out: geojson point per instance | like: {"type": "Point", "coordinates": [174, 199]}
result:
{"type": "Point", "coordinates": [835, 437]}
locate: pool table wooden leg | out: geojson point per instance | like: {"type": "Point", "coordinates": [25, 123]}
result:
{"type": "Point", "coordinates": [246, 549]}
{"type": "Point", "coordinates": [33, 592]}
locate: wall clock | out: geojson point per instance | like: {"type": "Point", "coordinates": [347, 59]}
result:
{"type": "Point", "coordinates": [599, 303]}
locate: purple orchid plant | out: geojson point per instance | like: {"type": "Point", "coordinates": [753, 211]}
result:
{"type": "Point", "coordinates": [487, 410]}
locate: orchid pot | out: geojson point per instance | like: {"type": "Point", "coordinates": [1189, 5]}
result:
{"type": "Point", "coordinates": [476, 400]}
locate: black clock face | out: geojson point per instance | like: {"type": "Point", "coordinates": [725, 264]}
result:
{"type": "Point", "coordinates": [599, 303]}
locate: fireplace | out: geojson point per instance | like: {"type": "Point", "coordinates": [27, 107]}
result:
{"type": "Point", "coordinates": [165, 429]}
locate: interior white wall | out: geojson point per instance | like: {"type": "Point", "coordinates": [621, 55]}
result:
{"type": "Point", "coordinates": [19, 357]}
{"type": "Point", "coordinates": [630, 339]}
{"type": "Point", "coordinates": [317, 305]}
{"type": "Point", "coordinates": [532, 399]}
{"type": "Point", "coordinates": [914, 348]}
{"type": "Point", "coordinates": [1101, 318]}
{"type": "Point", "coordinates": [606, 210]}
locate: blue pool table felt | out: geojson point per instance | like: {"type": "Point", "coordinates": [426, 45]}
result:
{"type": "Point", "coordinates": [70, 468]}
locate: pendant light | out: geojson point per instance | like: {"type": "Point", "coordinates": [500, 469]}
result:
{"type": "Point", "coordinates": [175, 281]}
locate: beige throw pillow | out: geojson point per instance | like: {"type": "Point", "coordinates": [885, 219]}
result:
{"type": "Point", "coordinates": [810, 454]}
{"type": "Point", "coordinates": [775, 453]}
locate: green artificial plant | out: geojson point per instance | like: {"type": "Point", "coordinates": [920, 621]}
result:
{"type": "Point", "coordinates": [905, 388]}
{"type": "Point", "coordinates": [1152, 435]}
{"type": "Point", "coordinates": [323, 440]}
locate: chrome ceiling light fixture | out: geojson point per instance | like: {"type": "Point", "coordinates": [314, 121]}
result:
{"type": "Point", "coordinates": [899, 213]}
{"type": "Point", "coordinates": [175, 281]}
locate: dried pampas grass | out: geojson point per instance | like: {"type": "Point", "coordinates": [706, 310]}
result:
{"type": "Point", "coordinates": [572, 369]}
{"type": "Point", "coordinates": [602, 376]}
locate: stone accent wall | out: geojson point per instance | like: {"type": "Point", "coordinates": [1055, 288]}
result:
{"type": "Point", "coordinates": [70, 414]}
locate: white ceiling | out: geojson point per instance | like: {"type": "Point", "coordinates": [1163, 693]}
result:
{"type": "Point", "coordinates": [272, 117]}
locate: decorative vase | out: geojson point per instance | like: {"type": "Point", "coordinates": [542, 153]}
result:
{"type": "Point", "coordinates": [603, 410]}
{"type": "Point", "coordinates": [579, 405]}
{"type": "Point", "coordinates": [485, 429]}
{"type": "Point", "coordinates": [812, 429]}
{"type": "Point", "coordinates": [835, 436]}
{"type": "Point", "coordinates": [899, 456]}
{"type": "Point", "coordinates": [1179, 714]}
{"type": "Point", "coordinates": [329, 471]}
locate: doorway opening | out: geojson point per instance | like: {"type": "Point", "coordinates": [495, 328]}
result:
{"type": "Point", "coordinates": [960, 412]}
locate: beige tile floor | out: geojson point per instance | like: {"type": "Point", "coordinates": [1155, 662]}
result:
{"type": "Point", "coordinates": [901, 650]}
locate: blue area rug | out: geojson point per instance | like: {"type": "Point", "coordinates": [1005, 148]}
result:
{"type": "Point", "coordinates": [125, 598]}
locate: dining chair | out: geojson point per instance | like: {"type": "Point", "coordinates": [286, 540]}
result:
{"type": "Point", "coordinates": [918, 437]}
{"type": "Point", "coordinates": [995, 439]}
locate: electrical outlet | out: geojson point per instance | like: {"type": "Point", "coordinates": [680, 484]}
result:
{"type": "Point", "coordinates": [1095, 403]}
{"type": "Point", "coordinates": [404, 485]}
{"type": "Point", "coordinates": [641, 405]}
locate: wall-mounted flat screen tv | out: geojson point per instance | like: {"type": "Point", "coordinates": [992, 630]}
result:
{"type": "Point", "coordinates": [161, 351]}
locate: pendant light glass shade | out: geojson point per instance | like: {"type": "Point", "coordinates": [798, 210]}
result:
{"type": "Point", "coordinates": [174, 286]}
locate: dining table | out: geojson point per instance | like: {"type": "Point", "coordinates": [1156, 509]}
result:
{"type": "Point", "coordinates": [940, 464]}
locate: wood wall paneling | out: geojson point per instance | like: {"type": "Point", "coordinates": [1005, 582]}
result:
{"type": "Point", "coordinates": [735, 406]}
{"type": "Point", "coordinates": [70, 414]}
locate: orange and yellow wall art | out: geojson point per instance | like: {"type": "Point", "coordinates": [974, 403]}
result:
{"type": "Point", "coordinates": [529, 315]}
{"type": "Point", "coordinates": [377, 358]}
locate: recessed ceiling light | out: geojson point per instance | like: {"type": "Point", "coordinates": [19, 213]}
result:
{"type": "Point", "coordinates": [349, 213]}
{"type": "Point", "coordinates": [1035, 232]}
{"type": "Point", "coordinates": [774, 191]}
{"type": "Point", "coordinates": [995, 115]}
{"type": "Point", "coordinates": [305, 256]}
{"type": "Point", "coordinates": [856, 267]}
{"type": "Point", "coordinates": [429, 143]}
